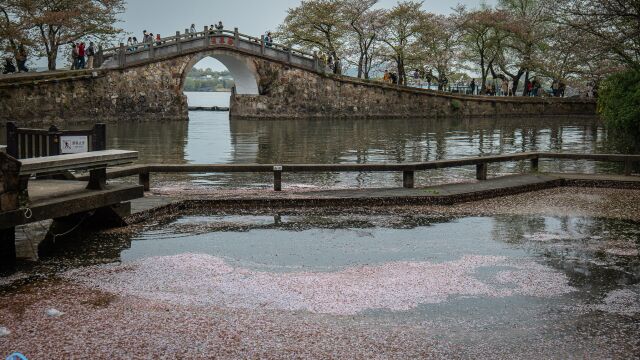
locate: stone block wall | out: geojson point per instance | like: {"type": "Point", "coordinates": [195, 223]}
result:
{"type": "Point", "coordinates": [137, 93]}
{"type": "Point", "coordinates": [294, 93]}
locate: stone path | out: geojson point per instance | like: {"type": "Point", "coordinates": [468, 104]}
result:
{"type": "Point", "coordinates": [441, 194]}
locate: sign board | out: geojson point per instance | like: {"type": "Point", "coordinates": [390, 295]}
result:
{"type": "Point", "coordinates": [74, 144]}
{"type": "Point", "coordinates": [277, 168]}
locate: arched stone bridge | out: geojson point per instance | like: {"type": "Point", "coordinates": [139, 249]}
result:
{"type": "Point", "coordinates": [232, 49]}
{"type": "Point", "coordinates": [146, 82]}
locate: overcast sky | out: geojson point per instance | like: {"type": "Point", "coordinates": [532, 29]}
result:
{"type": "Point", "coordinates": [252, 17]}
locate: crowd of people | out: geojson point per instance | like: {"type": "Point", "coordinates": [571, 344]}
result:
{"type": "Point", "coordinates": [499, 86]}
{"type": "Point", "coordinates": [82, 57]}
{"type": "Point", "coordinates": [149, 38]}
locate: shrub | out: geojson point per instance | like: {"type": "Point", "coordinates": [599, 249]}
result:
{"type": "Point", "coordinates": [619, 101]}
{"type": "Point", "coordinates": [456, 104]}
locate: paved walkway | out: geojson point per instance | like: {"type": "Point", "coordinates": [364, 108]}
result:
{"type": "Point", "coordinates": [441, 194]}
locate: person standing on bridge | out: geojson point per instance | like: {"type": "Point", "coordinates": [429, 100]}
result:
{"type": "Point", "coordinates": [145, 38]}
{"type": "Point", "coordinates": [74, 56]}
{"type": "Point", "coordinates": [91, 53]}
{"type": "Point", "coordinates": [219, 27]}
{"type": "Point", "coordinates": [472, 86]}
{"type": "Point", "coordinates": [81, 54]}
{"type": "Point", "coordinates": [192, 30]}
{"type": "Point", "coordinates": [268, 39]}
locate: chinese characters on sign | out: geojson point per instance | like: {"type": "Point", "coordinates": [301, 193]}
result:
{"type": "Point", "coordinates": [74, 144]}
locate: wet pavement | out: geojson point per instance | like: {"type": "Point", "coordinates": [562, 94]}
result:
{"type": "Point", "coordinates": [431, 281]}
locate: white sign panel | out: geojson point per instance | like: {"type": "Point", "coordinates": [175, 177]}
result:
{"type": "Point", "coordinates": [74, 144]}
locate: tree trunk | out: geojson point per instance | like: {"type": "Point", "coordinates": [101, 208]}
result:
{"type": "Point", "coordinates": [483, 73]}
{"type": "Point", "coordinates": [402, 78]}
{"type": "Point", "coordinates": [516, 81]}
{"type": "Point", "coordinates": [360, 65]}
{"type": "Point", "coordinates": [52, 56]}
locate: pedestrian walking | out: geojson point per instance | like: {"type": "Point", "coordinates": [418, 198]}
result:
{"type": "Point", "coordinates": [473, 86]}
{"type": "Point", "coordinates": [21, 59]}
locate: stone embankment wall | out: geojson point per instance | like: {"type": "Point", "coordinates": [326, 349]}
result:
{"type": "Point", "coordinates": [153, 91]}
{"type": "Point", "coordinates": [295, 93]}
{"type": "Point", "coordinates": [138, 93]}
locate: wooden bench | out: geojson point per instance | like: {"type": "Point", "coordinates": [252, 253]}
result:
{"type": "Point", "coordinates": [96, 162]}
{"type": "Point", "coordinates": [41, 159]}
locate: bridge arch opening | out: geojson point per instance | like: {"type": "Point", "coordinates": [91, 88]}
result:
{"type": "Point", "coordinates": [240, 68]}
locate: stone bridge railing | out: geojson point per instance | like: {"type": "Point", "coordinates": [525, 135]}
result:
{"type": "Point", "coordinates": [123, 56]}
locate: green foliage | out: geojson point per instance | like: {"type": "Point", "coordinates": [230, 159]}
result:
{"type": "Point", "coordinates": [456, 104]}
{"type": "Point", "coordinates": [208, 80]}
{"type": "Point", "coordinates": [619, 101]}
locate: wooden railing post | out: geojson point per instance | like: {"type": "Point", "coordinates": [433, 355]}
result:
{"type": "Point", "coordinates": [178, 42]}
{"type": "Point", "coordinates": [99, 137]}
{"type": "Point", "coordinates": [144, 179]}
{"type": "Point", "coordinates": [408, 179]}
{"type": "Point", "coordinates": [9, 200]}
{"type": "Point", "coordinates": [628, 166]}
{"type": "Point", "coordinates": [535, 164]}
{"type": "Point", "coordinates": [151, 49]}
{"type": "Point", "coordinates": [262, 45]}
{"type": "Point", "coordinates": [277, 178]}
{"type": "Point", "coordinates": [207, 37]}
{"type": "Point", "coordinates": [54, 141]}
{"type": "Point", "coordinates": [12, 139]}
{"type": "Point", "coordinates": [122, 58]}
{"type": "Point", "coordinates": [289, 55]}
{"type": "Point", "coordinates": [481, 171]}
{"type": "Point", "coordinates": [236, 37]}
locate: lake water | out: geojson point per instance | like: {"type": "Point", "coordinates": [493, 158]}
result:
{"type": "Point", "coordinates": [211, 137]}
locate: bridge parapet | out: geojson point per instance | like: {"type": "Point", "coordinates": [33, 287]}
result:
{"type": "Point", "coordinates": [180, 44]}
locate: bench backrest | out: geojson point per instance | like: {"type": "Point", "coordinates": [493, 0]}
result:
{"type": "Point", "coordinates": [25, 143]}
